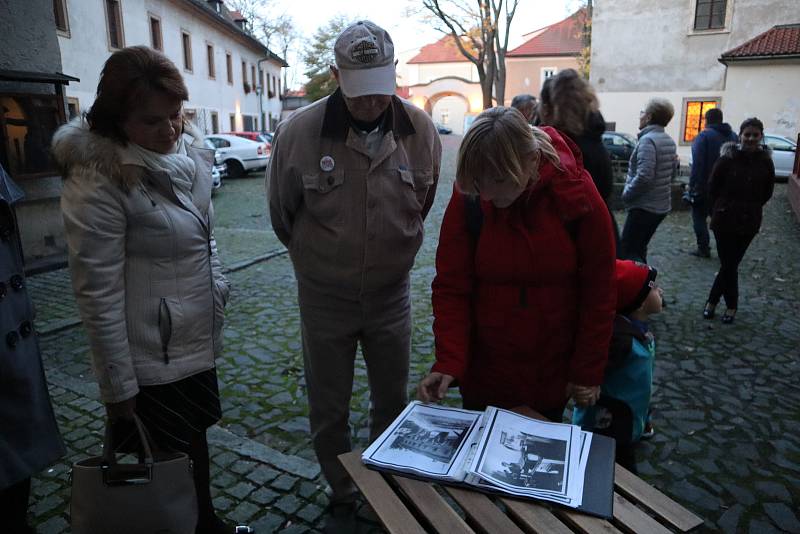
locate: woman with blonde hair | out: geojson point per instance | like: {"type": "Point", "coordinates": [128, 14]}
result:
{"type": "Point", "coordinates": [569, 104]}
{"type": "Point", "coordinates": [524, 295]}
{"type": "Point", "coordinates": [147, 279]}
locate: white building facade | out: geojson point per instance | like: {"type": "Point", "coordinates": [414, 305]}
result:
{"type": "Point", "coordinates": [233, 80]}
{"type": "Point", "coordinates": [643, 49]}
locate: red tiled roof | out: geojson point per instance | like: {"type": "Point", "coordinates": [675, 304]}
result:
{"type": "Point", "coordinates": [445, 50]}
{"type": "Point", "coordinates": [559, 39]}
{"type": "Point", "coordinates": [778, 41]}
{"type": "Point", "coordinates": [296, 92]}
{"type": "Point", "coordinates": [236, 15]}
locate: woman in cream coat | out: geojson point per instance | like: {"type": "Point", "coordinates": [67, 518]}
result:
{"type": "Point", "coordinates": [147, 279]}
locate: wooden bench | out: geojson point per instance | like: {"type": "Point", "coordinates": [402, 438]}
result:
{"type": "Point", "coordinates": [405, 505]}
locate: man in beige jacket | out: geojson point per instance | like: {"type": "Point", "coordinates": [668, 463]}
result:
{"type": "Point", "coordinates": [351, 179]}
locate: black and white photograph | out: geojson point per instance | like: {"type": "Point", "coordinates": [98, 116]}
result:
{"type": "Point", "coordinates": [427, 439]}
{"type": "Point", "coordinates": [523, 458]}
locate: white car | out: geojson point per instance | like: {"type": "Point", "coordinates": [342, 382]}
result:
{"type": "Point", "coordinates": [239, 154]}
{"type": "Point", "coordinates": [219, 170]}
{"type": "Point", "coordinates": [783, 151]}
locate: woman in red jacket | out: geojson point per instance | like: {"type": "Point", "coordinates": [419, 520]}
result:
{"type": "Point", "coordinates": [524, 296]}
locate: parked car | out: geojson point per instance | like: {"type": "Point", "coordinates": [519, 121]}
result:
{"type": "Point", "coordinates": [443, 130]}
{"type": "Point", "coordinates": [239, 154]}
{"type": "Point", "coordinates": [265, 138]}
{"type": "Point", "coordinates": [783, 151]}
{"type": "Point", "coordinates": [220, 169]}
{"type": "Point", "coordinates": [619, 145]}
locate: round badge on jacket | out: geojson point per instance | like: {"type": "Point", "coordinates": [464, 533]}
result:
{"type": "Point", "coordinates": [327, 164]}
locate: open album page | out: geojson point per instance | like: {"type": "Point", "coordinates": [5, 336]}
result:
{"type": "Point", "coordinates": [430, 441]}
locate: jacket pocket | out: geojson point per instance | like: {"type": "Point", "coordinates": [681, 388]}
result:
{"type": "Point", "coordinates": [416, 184]}
{"type": "Point", "coordinates": [164, 327]}
{"type": "Point", "coordinates": [322, 195]}
{"type": "Point", "coordinates": [221, 294]}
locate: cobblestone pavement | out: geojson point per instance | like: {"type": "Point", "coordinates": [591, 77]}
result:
{"type": "Point", "coordinates": [725, 401]}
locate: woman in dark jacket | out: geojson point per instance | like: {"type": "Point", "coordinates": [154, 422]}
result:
{"type": "Point", "coordinates": [523, 307]}
{"type": "Point", "coordinates": [569, 104]}
{"type": "Point", "coordinates": [741, 183]}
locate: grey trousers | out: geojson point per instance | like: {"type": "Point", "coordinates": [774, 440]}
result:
{"type": "Point", "coordinates": [331, 329]}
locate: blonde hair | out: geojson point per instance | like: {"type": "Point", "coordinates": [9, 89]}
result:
{"type": "Point", "coordinates": [567, 100]}
{"type": "Point", "coordinates": [496, 145]}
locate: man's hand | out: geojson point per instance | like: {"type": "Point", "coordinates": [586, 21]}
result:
{"type": "Point", "coordinates": [121, 410]}
{"type": "Point", "coordinates": [433, 387]}
{"type": "Point", "coordinates": [584, 395]}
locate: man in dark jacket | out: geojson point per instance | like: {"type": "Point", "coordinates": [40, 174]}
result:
{"type": "Point", "coordinates": [705, 151]}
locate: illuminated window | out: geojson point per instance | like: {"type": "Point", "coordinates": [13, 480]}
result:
{"type": "Point", "coordinates": [709, 14]}
{"type": "Point", "coordinates": [694, 113]}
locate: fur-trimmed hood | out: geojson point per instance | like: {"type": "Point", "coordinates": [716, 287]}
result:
{"type": "Point", "coordinates": [731, 149]}
{"type": "Point", "coordinates": [77, 149]}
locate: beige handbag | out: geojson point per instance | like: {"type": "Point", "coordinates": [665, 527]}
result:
{"type": "Point", "coordinates": [156, 495]}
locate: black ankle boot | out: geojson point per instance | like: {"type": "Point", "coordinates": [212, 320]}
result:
{"type": "Point", "coordinates": [708, 311]}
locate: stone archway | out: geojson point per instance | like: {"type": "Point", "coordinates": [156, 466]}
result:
{"type": "Point", "coordinates": [467, 92]}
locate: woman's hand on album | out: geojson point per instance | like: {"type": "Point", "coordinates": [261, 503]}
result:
{"type": "Point", "coordinates": [583, 395]}
{"type": "Point", "coordinates": [433, 387]}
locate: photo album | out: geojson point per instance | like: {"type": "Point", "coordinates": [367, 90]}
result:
{"type": "Point", "coordinates": [495, 451]}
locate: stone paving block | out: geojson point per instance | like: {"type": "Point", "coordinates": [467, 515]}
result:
{"type": "Point", "coordinates": [288, 504]}
{"type": "Point", "coordinates": [54, 525]}
{"type": "Point", "coordinates": [284, 482]}
{"type": "Point", "coordinates": [262, 474]}
{"type": "Point", "coordinates": [263, 496]}
{"type": "Point", "coordinates": [225, 459]}
{"type": "Point", "coordinates": [311, 513]}
{"type": "Point", "coordinates": [307, 489]}
{"type": "Point", "coordinates": [243, 512]}
{"type": "Point", "coordinates": [240, 490]}
{"type": "Point", "coordinates": [222, 503]}
{"type": "Point", "coordinates": [47, 505]}
{"type": "Point", "coordinates": [267, 523]}
{"type": "Point", "coordinates": [782, 516]}
{"type": "Point", "coordinates": [242, 467]}
{"type": "Point", "coordinates": [729, 521]}
{"type": "Point", "coordinates": [773, 490]}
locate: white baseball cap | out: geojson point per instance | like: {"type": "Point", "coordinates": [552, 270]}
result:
{"type": "Point", "coordinates": [365, 58]}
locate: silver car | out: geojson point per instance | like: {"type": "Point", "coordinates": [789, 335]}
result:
{"type": "Point", "coordinates": [783, 152]}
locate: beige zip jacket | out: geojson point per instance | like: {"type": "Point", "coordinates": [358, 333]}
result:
{"type": "Point", "coordinates": [144, 265]}
{"type": "Point", "coordinates": [352, 224]}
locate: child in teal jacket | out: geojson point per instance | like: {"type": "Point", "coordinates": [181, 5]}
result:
{"type": "Point", "coordinates": [622, 410]}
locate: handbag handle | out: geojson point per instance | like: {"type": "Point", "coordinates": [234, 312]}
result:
{"type": "Point", "coordinates": [110, 458]}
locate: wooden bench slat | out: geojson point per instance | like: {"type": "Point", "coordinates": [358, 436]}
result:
{"type": "Point", "coordinates": [634, 519]}
{"type": "Point", "coordinates": [535, 517]}
{"type": "Point", "coordinates": [639, 491]}
{"type": "Point", "coordinates": [432, 506]}
{"type": "Point", "coordinates": [379, 494]}
{"type": "Point", "coordinates": [480, 509]}
{"type": "Point", "coordinates": [586, 523]}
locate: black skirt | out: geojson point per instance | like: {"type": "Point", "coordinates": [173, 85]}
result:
{"type": "Point", "coordinates": [174, 414]}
